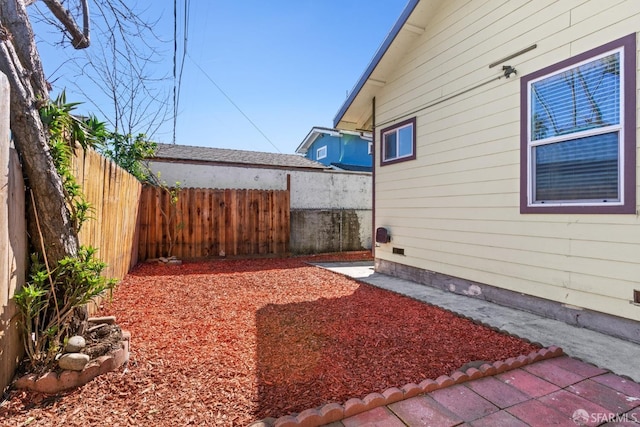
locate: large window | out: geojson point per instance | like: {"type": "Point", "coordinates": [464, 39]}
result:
{"type": "Point", "coordinates": [398, 142]}
{"type": "Point", "coordinates": [578, 136]}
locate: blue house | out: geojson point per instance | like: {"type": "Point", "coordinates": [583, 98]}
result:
{"type": "Point", "coordinates": [340, 149]}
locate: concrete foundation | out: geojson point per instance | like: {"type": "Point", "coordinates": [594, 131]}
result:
{"type": "Point", "coordinates": [605, 323]}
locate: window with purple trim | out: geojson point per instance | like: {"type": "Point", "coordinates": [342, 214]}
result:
{"type": "Point", "coordinates": [398, 142]}
{"type": "Point", "coordinates": [579, 142]}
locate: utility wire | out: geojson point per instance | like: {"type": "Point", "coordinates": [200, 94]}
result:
{"type": "Point", "coordinates": [185, 35]}
{"type": "Point", "coordinates": [175, 65]}
{"type": "Point", "coordinates": [233, 103]}
{"type": "Point", "coordinates": [178, 70]}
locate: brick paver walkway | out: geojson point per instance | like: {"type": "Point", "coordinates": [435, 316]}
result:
{"type": "Point", "coordinates": [560, 391]}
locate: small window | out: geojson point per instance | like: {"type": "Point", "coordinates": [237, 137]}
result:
{"type": "Point", "coordinates": [321, 153]}
{"type": "Point", "coordinates": [370, 148]}
{"type": "Point", "coordinates": [578, 139]}
{"type": "Point", "coordinates": [398, 142]}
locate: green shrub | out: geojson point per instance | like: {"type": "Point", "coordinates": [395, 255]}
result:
{"type": "Point", "coordinates": [48, 300]}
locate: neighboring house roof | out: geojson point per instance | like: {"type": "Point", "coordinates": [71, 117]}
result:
{"type": "Point", "coordinates": [355, 113]}
{"type": "Point", "coordinates": [186, 153]}
{"type": "Point", "coordinates": [318, 131]}
{"type": "Point", "coordinates": [352, 168]}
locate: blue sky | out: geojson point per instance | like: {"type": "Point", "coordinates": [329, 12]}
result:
{"type": "Point", "coordinates": [287, 64]}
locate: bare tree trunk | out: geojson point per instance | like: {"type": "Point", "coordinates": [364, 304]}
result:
{"type": "Point", "coordinates": [20, 61]}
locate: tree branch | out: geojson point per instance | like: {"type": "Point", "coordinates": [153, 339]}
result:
{"type": "Point", "coordinates": [79, 39]}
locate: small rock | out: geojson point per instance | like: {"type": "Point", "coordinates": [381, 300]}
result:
{"type": "Point", "coordinates": [75, 344]}
{"type": "Point", "coordinates": [174, 262]}
{"type": "Point", "coordinates": [73, 361]}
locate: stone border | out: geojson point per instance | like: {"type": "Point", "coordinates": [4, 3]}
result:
{"type": "Point", "coordinates": [52, 383]}
{"type": "Point", "coordinates": [333, 412]}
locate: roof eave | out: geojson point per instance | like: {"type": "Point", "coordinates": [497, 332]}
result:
{"type": "Point", "coordinates": [313, 134]}
{"type": "Point", "coordinates": [406, 13]}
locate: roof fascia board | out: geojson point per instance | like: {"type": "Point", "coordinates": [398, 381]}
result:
{"type": "Point", "coordinates": [376, 59]}
{"type": "Point", "coordinates": [314, 134]}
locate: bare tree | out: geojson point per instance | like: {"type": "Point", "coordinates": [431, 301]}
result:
{"type": "Point", "coordinates": [120, 68]}
{"type": "Point", "coordinates": [125, 63]}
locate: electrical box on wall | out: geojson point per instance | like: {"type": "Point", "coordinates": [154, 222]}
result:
{"type": "Point", "coordinates": [382, 235]}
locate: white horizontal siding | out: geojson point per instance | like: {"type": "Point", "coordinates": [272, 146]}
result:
{"type": "Point", "coordinates": [455, 208]}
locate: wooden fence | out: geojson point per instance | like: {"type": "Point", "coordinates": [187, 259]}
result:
{"type": "Point", "coordinates": [213, 223]}
{"type": "Point", "coordinates": [13, 253]}
{"type": "Point", "coordinates": [114, 196]}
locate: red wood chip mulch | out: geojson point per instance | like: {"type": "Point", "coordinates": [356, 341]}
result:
{"type": "Point", "coordinates": [232, 341]}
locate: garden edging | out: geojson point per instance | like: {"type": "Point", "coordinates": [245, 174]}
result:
{"type": "Point", "coordinates": [333, 412]}
{"type": "Point", "coordinates": [52, 382]}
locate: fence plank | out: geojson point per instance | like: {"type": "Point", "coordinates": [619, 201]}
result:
{"type": "Point", "coordinates": [207, 229]}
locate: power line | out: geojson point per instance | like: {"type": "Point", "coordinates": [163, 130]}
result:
{"type": "Point", "coordinates": [185, 36]}
{"type": "Point", "coordinates": [175, 65]}
{"type": "Point", "coordinates": [178, 70]}
{"type": "Point", "coordinates": [233, 103]}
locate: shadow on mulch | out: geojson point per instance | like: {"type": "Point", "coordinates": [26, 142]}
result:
{"type": "Point", "coordinates": [329, 350]}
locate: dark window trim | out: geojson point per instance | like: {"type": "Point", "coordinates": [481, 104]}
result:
{"type": "Point", "coordinates": [383, 162]}
{"type": "Point", "coordinates": [628, 43]}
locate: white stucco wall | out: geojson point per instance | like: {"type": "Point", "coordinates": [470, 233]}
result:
{"type": "Point", "coordinates": [309, 189]}
{"type": "Point", "coordinates": [330, 190]}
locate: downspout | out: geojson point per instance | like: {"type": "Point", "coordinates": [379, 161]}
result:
{"type": "Point", "coordinates": [373, 177]}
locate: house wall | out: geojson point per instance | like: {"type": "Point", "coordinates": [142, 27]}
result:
{"type": "Point", "coordinates": [355, 151]}
{"type": "Point", "coordinates": [348, 149]}
{"type": "Point", "coordinates": [333, 149]}
{"type": "Point", "coordinates": [455, 209]}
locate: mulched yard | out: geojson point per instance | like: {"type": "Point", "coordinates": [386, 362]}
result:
{"type": "Point", "coordinates": [231, 341]}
